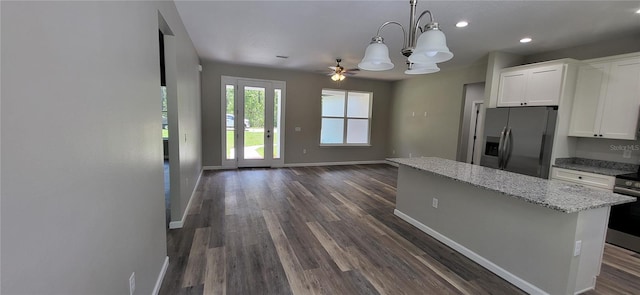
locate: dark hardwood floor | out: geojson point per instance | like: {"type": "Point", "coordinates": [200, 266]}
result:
{"type": "Point", "coordinates": [327, 230]}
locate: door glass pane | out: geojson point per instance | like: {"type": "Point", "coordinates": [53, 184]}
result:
{"type": "Point", "coordinates": [254, 113]}
{"type": "Point", "coordinates": [358, 105]}
{"type": "Point", "coordinates": [332, 131]}
{"type": "Point", "coordinates": [332, 103]}
{"type": "Point", "coordinates": [277, 115]}
{"type": "Point", "coordinates": [358, 131]}
{"type": "Point", "coordinates": [230, 123]}
{"type": "Point", "coordinates": [165, 117]}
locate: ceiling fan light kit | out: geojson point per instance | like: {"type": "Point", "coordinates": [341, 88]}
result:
{"type": "Point", "coordinates": [430, 48]}
{"type": "Point", "coordinates": [338, 77]}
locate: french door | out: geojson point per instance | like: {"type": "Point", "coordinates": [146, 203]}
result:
{"type": "Point", "coordinates": [252, 111]}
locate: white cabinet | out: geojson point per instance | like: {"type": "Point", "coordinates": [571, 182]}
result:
{"type": "Point", "coordinates": [607, 100]}
{"type": "Point", "coordinates": [531, 86]}
{"type": "Point", "coordinates": [585, 178]}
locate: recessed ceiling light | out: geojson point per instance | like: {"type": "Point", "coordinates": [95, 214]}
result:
{"type": "Point", "coordinates": [638, 12]}
{"type": "Point", "coordinates": [462, 24]}
{"type": "Point", "coordinates": [525, 40]}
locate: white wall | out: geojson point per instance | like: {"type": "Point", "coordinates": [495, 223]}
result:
{"type": "Point", "coordinates": [82, 195]}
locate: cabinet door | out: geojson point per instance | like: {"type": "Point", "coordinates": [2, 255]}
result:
{"type": "Point", "coordinates": [622, 101]}
{"type": "Point", "coordinates": [512, 88]}
{"type": "Point", "coordinates": [586, 113]}
{"type": "Point", "coordinates": [544, 86]}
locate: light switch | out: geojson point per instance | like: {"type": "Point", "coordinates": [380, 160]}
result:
{"type": "Point", "coordinates": [298, 129]}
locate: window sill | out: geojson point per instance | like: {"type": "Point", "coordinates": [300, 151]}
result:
{"type": "Point", "coordinates": [346, 145]}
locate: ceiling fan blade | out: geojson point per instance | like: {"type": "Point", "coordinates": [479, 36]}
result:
{"type": "Point", "coordinates": [353, 70]}
{"type": "Point", "coordinates": [333, 68]}
{"type": "Point", "coordinates": [348, 74]}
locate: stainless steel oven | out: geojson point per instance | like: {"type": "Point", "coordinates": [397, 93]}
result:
{"type": "Point", "coordinates": [624, 220]}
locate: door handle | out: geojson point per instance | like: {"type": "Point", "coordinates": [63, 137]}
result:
{"type": "Point", "coordinates": [507, 146]}
{"type": "Point", "coordinates": [500, 146]}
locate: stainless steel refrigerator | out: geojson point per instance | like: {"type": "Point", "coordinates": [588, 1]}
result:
{"type": "Point", "coordinates": [519, 139]}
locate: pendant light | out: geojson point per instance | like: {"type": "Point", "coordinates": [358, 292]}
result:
{"type": "Point", "coordinates": [430, 48]}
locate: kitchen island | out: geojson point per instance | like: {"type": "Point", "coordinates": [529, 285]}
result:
{"type": "Point", "coordinates": [544, 236]}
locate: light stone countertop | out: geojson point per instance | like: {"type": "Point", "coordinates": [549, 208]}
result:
{"type": "Point", "coordinates": [608, 168]}
{"type": "Point", "coordinates": [592, 169]}
{"type": "Point", "coordinates": [557, 195]}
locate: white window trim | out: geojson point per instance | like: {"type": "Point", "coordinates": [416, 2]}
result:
{"type": "Point", "coordinates": [346, 119]}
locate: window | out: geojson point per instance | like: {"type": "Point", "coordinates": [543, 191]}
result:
{"type": "Point", "coordinates": [346, 117]}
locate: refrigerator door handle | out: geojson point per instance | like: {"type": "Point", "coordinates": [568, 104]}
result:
{"type": "Point", "coordinates": [500, 147]}
{"type": "Point", "coordinates": [541, 157]}
{"type": "Point", "coordinates": [506, 154]}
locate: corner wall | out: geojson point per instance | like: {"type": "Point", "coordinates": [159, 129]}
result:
{"type": "Point", "coordinates": [441, 96]}
{"type": "Point", "coordinates": [302, 109]}
{"type": "Point", "coordinates": [82, 173]}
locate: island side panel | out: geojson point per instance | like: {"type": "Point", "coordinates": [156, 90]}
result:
{"type": "Point", "coordinates": [532, 244]}
{"type": "Point", "coordinates": [592, 231]}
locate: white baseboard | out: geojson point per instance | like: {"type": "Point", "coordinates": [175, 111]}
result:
{"type": "Point", "coordinates": [217, 168]}
{"type": "Point", "coordinates": [492, 267]}
{"type": "Point", "coordinates": [163, 271]}
{"type": "Point", "coordinates": [335, 163]}
{"type": "Point", "coordinates": [180, 223]}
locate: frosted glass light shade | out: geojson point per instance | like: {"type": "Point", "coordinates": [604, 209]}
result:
{"type": "Point", "coordinates": [376, 58]}
{"type": "Point", "coordinates": [431, 48]}
{"type": "Point", "coordinates": [417, 69]}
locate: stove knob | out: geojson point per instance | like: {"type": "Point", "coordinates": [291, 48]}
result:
{"type": "Point", "coordinates": [637, 184]}
{"type": "Point", "coordinates": [628, 183]}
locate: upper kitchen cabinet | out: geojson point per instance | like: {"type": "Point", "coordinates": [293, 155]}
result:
{"type": "Point", "coordinates": [532, 85]}
{"type": "Point", "coordinates": [607, 99]}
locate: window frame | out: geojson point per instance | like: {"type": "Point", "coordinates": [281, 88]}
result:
{"type": "Point", "coordinates": [346, 118]}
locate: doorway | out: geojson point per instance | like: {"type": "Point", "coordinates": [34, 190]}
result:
{"type": "Point", "coordinates": [252, 122]}
{"type": "Point", "coordinates": [471, 123]}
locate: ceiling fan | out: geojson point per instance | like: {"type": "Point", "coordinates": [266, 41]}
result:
{"type": "Point", "coordinates": [338, 72]}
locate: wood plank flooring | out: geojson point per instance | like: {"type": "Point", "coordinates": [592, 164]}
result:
{"type": "Point", "coordinates": [327, 230]}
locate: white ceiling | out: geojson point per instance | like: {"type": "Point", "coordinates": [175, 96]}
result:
{"type": "Point", "coordinates": [314, 33]}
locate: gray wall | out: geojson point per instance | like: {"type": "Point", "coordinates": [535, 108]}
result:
{"type": "Point", "coordinates": [588, 147]}
{"type": "Point", "coordinates": [82, 173]}
{"type": "Point", "coordinates": [441, 96]}
{"type": "Point", "coordinates": [616, 46]}
{"type": "Point", "coordinates": [303, 109]}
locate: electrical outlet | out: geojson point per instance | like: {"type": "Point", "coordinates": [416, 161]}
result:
{"type": "Point", "coordinates": [393, 152]}
{"type": "Point", "coordinates": [425, 114]}
{"type": "Point", "coordinates": [304, 151]}
{"type": "Point", "coordinates": [434, 203]}
{"type": "Point", "coordinates": [578, 248]}
{"type": "Point", "coordinates": [298, 129]}
{"type": "Point", "coordinates": [409, 155]}
{"type": "Point", "coordinates": [413, 114]}
{"type": "Point", "coordinates": [626, 154]}
{"type": "Point", "coordinates": [132, 283]}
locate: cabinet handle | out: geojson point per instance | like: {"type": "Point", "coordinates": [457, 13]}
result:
{"type": "Point", "coordinates": [525, 103]}
{"type": "Point", "coordinates": [520, 103]}
{"type": "Point", "coordinates": [595, 135]}
{"type": "Point", "coordinates": [600, 135]}
{"type": "Point", "coordinates": [579, 177]}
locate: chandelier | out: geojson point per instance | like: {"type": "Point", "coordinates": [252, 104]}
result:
{"type": "Point", "coordinates": [422, 54]}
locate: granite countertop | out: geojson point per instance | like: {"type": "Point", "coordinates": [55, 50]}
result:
{"type": "Point", "coordinates": [596, 166]}
{"type": "Point", "coordinates": [557, 195]}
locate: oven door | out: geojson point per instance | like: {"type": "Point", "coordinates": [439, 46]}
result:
{"type": "Point", "coordinates": [624, 222]}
